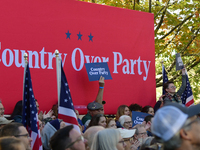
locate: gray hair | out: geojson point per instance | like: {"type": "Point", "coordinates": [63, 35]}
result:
{"type": "Point", "coordinates": [106, 139]}
{"type": "Point", "coordinates": [175, 141]}
{"type": "Point", "coordinates": [137, 128]}
{"type": "Point", "coordinates": [122, 119]}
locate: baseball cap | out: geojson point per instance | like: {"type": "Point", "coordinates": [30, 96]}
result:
{"type": "Point", "coordinates": [169, 119]}
{"type": "Point", "coordinates": [94, 106]}
{"type": "Point", "coordinates": [125, 133]}
{"type": "Point", "coordinates": [3, 121]}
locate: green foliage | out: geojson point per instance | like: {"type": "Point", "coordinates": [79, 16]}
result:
{"type": "Point", "coordinates": [177, 25]}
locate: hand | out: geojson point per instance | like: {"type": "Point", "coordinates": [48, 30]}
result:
{"type": "Point", "coordinates": [148, 125]}
{"type": "Point", "coordinates": [101, 81]}
{"type": "Point", "coordinates": [183, 70]}
{"type": "Point", "coordinates": [49, 114]}
{"type": "Point", "coordinates": [135, 145]}
{"type": "Point", "coordinates": [144, 123]}
{"type": "Point", "coordinates": [161, 98]}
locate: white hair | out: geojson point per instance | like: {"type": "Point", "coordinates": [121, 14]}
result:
{"type": "Point", "coordinates": [122, 119]}
{"type": "Point", "coordinates": [106, 139]}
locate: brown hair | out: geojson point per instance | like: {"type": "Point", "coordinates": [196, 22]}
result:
{"type": "Point", "coordinates": [9, 143]}
{"type": "Point", "coordinates": [108, 120]}
{"type": "Point", "coordinates": [120, 111]}
{"type": "Point", "coordinates": [166, 85]}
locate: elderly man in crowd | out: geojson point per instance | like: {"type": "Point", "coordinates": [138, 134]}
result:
{"type": "Point", "coordinates": [19, 131]}
{"type": "Point", "coordinates": [177, 126]}
{"type": "Point", "coordinates": [95, 107]}
{"type": "Point", "coordinates": [140, 133]}
{"type": "Point", "coordinates": [126, 121]}
{"type": "Point", "coordinates": [67, 138]}
{"type": "Point", "coordinates": [89, 135]}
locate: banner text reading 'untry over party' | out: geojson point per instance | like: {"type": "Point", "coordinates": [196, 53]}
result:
{"type": "Point", "coordinates": [11, 57]}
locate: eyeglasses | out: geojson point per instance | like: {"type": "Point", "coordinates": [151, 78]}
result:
{"type": "Point", "coordinates": [2, 109]}
{"type": "Point", "coordinates": [128, 122]}
{"type": "Point", "coordinates": [41, 125]}
{"type": "Point", "coordinates": [25, 135]}
{"type": "Point", "coordinates": [172, 87]}
{"type": "Point", "coordinates": [122, 141]}
{"type": "Point", "coordinates": [80, 138]}
{"type": "Point", "coordinates": [129, 139]}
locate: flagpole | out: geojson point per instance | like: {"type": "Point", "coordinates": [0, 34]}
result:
{"type": "Point", "coordinates": [26, 62]}
{"type": "Point", "coordinates": [58, 73]}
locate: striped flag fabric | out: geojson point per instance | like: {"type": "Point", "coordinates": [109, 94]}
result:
{"type": "Point", "coordinates": [187, 96]}
{"type": "Point", "coordinates": [66, 108]}
{"type": "Point", "coordinates": [29, 115]}
{"type": "Point", "coordinates": [165, 78]}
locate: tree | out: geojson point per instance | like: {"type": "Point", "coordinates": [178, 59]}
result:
{"type": "Point", "coordinates": [177, 30]}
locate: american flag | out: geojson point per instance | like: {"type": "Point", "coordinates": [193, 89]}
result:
{"type": "Point", "coordinates": [29, 116]}
{"type": "Point", "coordinates": [66, 108]}
{"type": "Point", "coordinates": [165, 78]}
{"type": "Point", "coordinates": [187, 96]}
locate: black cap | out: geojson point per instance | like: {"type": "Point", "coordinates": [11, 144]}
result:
{"type": "Point", "coordinates": [94, 106]}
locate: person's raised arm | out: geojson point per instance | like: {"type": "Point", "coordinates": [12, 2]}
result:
{"type": "Point", "coordinates": [183, 86]}
{"type": "Point", "coordinates": [99, 97]}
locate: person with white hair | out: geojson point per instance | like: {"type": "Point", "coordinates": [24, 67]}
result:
{"type": "Point", "coordinates": [108, 139]}
{"type": "Point", "coordinates": [126, 121]}
{"type": "Point", "coordinates": [128, 136]}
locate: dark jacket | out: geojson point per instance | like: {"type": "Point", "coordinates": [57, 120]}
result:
{"type": "Point", "coordinates": [177, 96]}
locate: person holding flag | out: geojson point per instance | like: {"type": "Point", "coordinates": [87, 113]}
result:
{"type": "Point", "coordinates": [171, 95]}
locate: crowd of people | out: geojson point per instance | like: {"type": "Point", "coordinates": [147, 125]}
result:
{"type": "Point", "coordinates": [169, 125]}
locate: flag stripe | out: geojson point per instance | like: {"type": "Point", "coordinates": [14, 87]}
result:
{"type": "Point", "coordinates": [70, 112]}
{"type": "Point", "coordinates": [189, 101]}
{"type": "Point", "coordinates": [68, 119]}
{"type": "Point", "coordinates": [34, 137]}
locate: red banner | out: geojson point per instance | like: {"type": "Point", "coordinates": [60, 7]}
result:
{"type": "Point", "coordinates": [83, 33]}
